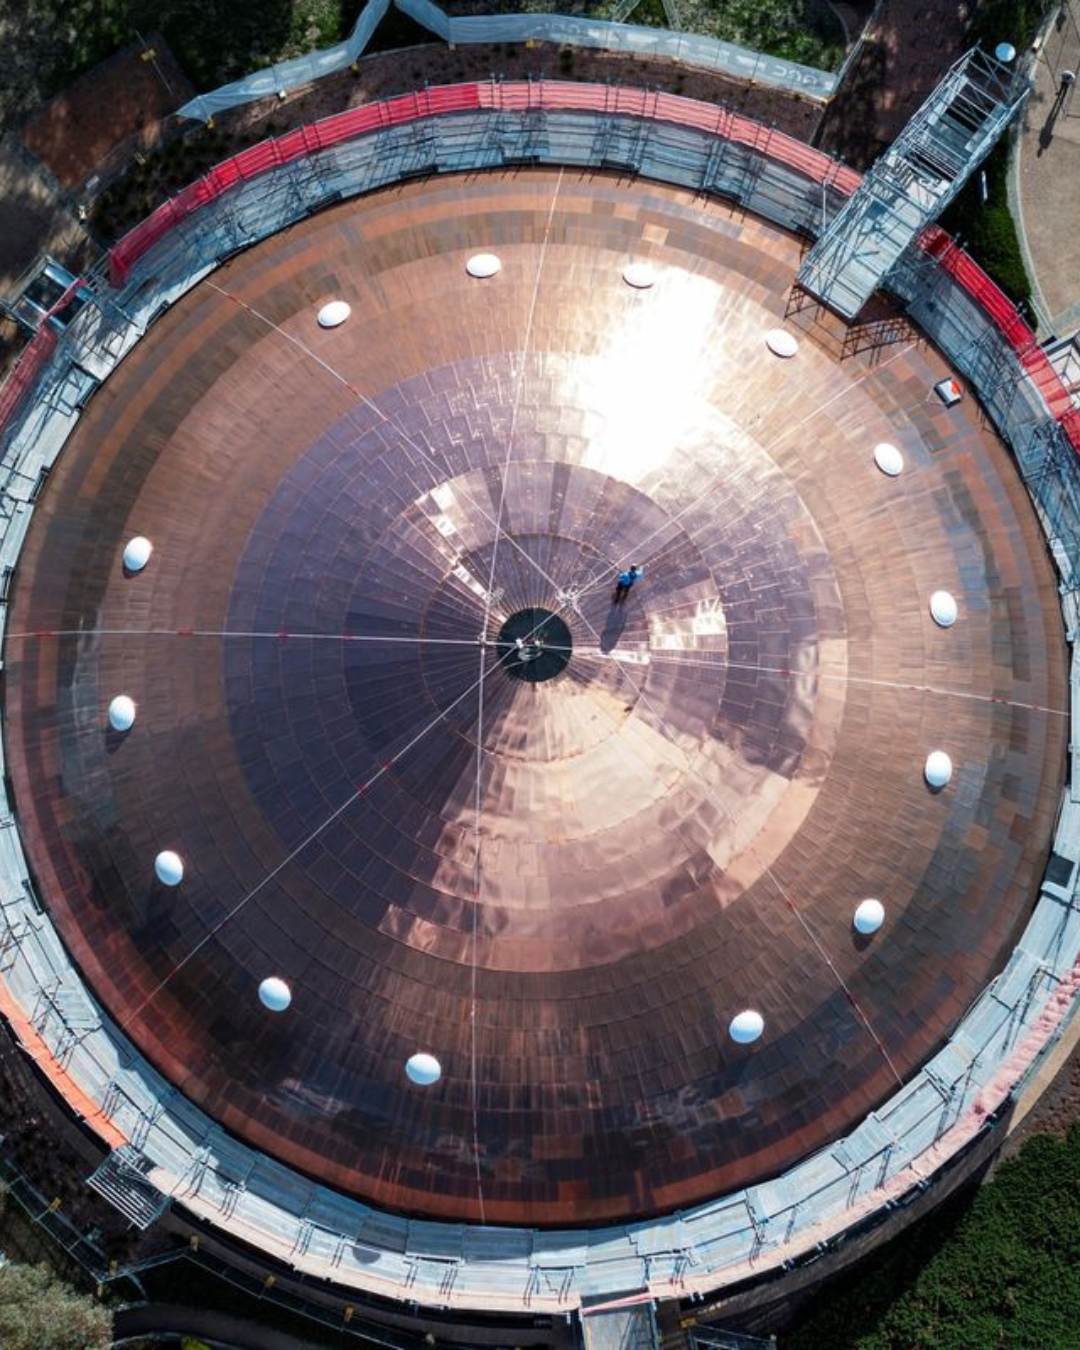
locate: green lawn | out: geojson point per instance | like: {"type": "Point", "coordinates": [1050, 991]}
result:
{"type": "Point", "coordinates": [796, 30]}
{"type": "Point", "coordinates": [1002, 1273]}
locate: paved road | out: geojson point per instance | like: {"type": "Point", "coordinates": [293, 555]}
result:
{"type": "Point", "coordinates": [1045, 180]}
{"type": "Point", "coordinates": [219, 1328]}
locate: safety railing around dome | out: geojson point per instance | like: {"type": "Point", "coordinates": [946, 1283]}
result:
{"type": "Point", "coordinates": [24, 375]}
{"type": "Point", "coordinates": [895, 1150]}
{"type": "Point", "coordinates": [1009, 324]}
{"type": "Point", "coordinates": [956, 304]}
{"type": "Point", "coordinates": [420, 108]}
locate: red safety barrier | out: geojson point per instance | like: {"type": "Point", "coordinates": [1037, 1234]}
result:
{"type": "Point", "coordinates": [522, 95]}
{"type": "Point", "coordinates": [26, 370]}
{"type": "Point", "coordinates": [34, 355]}
{"type": "Point", "coordinates": [1009, 322]}
{"type": "Point", "coordinates": [659, 107]}
{"type": "Point", "coordinates": [513, 96]}
{"type": "Point", "coordinates": [294, 145]}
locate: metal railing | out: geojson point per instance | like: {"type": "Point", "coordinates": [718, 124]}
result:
{"type": "Point", "coordinates": [893, 1153]}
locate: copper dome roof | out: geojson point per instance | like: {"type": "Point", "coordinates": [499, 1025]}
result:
{"type": "Point", "coordinates": [562, 888]}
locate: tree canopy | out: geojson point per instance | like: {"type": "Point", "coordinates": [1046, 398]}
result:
{"type": "Point", "coordinates": [1006, 1278]}
{"type": "Point", "coordinates": [39, 1312]}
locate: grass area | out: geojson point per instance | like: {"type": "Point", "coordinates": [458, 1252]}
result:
{"type": "Point", "coordinates": [396, 30]}
{"type": "Point", "coordinates": [215, 40]}
{"type": "Point", "coordinates": [987, 229]}
{"type": "Point", "coordinates": [796, 30]}
{"type": "Point", "coordinates": [649, 14]}
{"type": "Point", "coordinates": [1000, 1273]}
{"type": "Point", "coordinates": [220, 40]}
{"type": "Point", "coordinates": [1015, 21]}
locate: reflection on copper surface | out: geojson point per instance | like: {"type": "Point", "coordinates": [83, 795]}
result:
{"type": "Point", "coordinates": [562, 888]}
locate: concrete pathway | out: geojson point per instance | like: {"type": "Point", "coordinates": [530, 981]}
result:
{"type": "Point", "coordinates": [1045, 177]}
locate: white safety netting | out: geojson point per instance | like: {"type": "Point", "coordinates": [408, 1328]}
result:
{"type": "Point", "coordinates": [286, 75]}
{"type": "Point", "coordinates": [692, 49]}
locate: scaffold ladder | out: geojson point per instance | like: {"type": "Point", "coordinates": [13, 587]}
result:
{"type": "Point", "coordinates": [912, 182]}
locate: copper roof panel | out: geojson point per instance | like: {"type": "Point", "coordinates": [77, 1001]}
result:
{"type": "Point", "coordinates": [562, 888]}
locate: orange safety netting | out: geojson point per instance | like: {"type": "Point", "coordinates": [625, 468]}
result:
{"type": "Point", "coordinates": [70, 1092]}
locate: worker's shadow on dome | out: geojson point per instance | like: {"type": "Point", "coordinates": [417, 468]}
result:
{"type": "Point", "coordinates": [614, 627]}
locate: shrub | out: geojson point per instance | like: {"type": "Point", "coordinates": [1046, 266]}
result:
{"type": "Point", "coordinates": [988, 230]}
{"type": "Point", "coordinates": [1008, 1277]}
{"type": "Point", "coordinates": [39, 1312]}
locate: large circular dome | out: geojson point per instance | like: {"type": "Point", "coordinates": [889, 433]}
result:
{"type": "Point", "coordinates": [426, 773]}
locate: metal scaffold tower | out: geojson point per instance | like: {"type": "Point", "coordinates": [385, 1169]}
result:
{"type": "Point", "coordinates": [913, 181]}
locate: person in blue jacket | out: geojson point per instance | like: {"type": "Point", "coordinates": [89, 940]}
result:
{"type": "Point", "coordinates": [626, 580]}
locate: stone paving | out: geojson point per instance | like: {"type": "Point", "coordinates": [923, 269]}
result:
{"type": "Point", "coordinates": [1045, 178]}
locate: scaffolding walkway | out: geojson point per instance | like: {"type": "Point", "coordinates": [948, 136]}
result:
{"type": "Point", "coordinates": [621, 1324]}
{"type": "Point", "coordinates": [912, 182]}
{"type": "Point", "coordinates": [175, 1149]}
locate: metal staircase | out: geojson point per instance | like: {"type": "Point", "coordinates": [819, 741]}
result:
{"type": "Point", "coordinates": [123, 1180]}
{"type": "Point", "coordinates": [629, 1326]}
{"type": "Point", "coordinates": [912, 182]}
{"type": "Point", "coordinates": [704, 1337]}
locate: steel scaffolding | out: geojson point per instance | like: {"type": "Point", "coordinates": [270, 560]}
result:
{"type": "Point", "coordinates": [912, 182]}
{"type": "Point", "coordinates": [161, 1141]}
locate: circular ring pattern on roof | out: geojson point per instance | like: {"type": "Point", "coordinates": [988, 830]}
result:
{"type": "Point", "coordinates": [137, 553]}
{"type": "Point", "coordinates": [938, 768]}
{"type": "Point", "coordinates": [781, 343]}
{"type": "Point", "coordinates": [943, 609]}
{"type": "Point", "coordinates": [274, 994]}
{"type": "Point", "coordinates": [594, 855]}
{"type": "Point", "coordinates": [333, 314]}
{"type": "Point", "coordinates": [168, 868]}
{"type": "Point", "coordinates": [746, 1026]}
{"type": "Point", "coordinates": [483, 265]}
{"type": "Point", "coordinates": [640, 275]}
{"type": "Point", "coordinates": [423, 1069]}
{"type": "Point", "coordinates": [122, 713]}
{"type": "Point", "coordinates": [889, 459]}
{"type": "Point", "coordinates": [869, 916]}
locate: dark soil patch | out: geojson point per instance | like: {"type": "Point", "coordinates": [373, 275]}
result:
{"type": "Point", "coordinates": [1055, 1112]}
